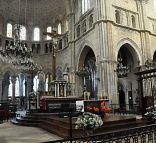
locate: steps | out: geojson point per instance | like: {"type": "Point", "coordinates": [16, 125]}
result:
{"type": "Point", "coordinates": [30, 119]}
{"type": "Point", "coordinates": [61, 126]}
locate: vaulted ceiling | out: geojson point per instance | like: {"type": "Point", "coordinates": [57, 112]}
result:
{"type": "Point", "coordinates": [33, 12]}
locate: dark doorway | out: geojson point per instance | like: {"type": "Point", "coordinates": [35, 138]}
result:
{"type": "Point", "coordinates": [90, 82]}
{"type": "Point", "coordinates": [122, 99]}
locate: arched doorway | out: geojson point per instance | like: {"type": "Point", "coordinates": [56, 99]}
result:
{"type": "Point", "coordinates": [87, 71]}
{"type": "Point", "coordinates": [127, 62]}
{"type": "Point", "coordinates": [90, 82]}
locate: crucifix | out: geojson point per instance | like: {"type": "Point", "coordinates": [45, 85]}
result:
{"type": "Point", "coordinates": [53, 34]}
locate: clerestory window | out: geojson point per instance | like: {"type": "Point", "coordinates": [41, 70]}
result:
{"type": "Point", "coordinates": [9, 30]}
{"type": "Point", "coordinates": [22, 32]}
{"type": "Point", "coordinates": [36, 34]}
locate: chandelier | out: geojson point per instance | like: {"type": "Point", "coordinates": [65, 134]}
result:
{"type": "Point", "coordinates": [17, 53]}
{"type": "Point", "coordinates": [122, 71]}
{"type": "Point", "coordinates": [83, 72]}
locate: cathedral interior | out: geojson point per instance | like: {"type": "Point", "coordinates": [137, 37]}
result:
{"type": "Point", "coordinates": [61, 51]}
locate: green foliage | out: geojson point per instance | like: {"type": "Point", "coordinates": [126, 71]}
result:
{"type": "Point", "coordinates": [151, 113]}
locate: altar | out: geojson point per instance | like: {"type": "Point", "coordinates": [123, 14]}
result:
{"type": "Point", "coordinates": [95, 102]}
{"type": "Point", "coordinates": [55, 104]}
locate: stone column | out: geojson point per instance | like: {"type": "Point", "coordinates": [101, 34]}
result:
{"type": "Point", "coordinates": [71, 43]}
{"type": "Point", "coordinates": [21, 87]}
{"type": "Point", "coordinates": [144, 25]}
{"type": "Point", "coordinates": [58, 89]}
{"type": "Point", "coordinates": [5, 87]}
{"type": "Point", "coordinates": [55, 89]}
{"type": "Point", "coordinates": [106, 55]}
{"type": "Point", "coordinates": [65, 89]}
{"type": "Point", "coordinates": [29, 87]}
{"type": "Point", "coordinates": [13, 80]}
{"type": "Point", "coordinates": [1, 90]}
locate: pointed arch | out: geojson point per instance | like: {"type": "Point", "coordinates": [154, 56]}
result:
{"type": "Point", "coordinates": [84, 44]}
{"type": "Point", "coordinates": [136, 51]}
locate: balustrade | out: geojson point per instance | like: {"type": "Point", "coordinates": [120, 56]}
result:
{"type": "Point", "coordinates": [144, 134]}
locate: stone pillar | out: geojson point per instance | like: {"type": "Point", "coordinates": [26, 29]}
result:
{"type": "Point", "coordinates": [1, 90]}
{"type": "Point", "coordinates": [5, 87]}
{"type": "Point", "coordinates": [144, 25]}
{"type": "Point", "coordinates": [29, 87]}
{"type": "Point", "coordinates": [1, 24]}
{"type": "Point", "coordinates": [13, 80]}
{"type": "Point", "coordinates": [71, 43]}
{"type": "Point", "coordinates": [106, 56]}
{"type": "Point", "coordinates": [21, 87]}
{"type": "Point", "coordinates": [65, 89]}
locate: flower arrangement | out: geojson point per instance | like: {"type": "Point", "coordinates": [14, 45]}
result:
{"type": "Point", "coordinates": [103, 109]}
{"type": "Point", "coordinates": [88, 121]}
{"type": "Point", "coordinates": [151, 113]}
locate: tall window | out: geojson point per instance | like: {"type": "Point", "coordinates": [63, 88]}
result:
{"type": "Point", "coordinates": [10, 88]}
{"type": "Point", "coordinates": [36, 34]}
{"type": "Point", "coordinates": [85, 5]}
{"type": "Point", "coordinates": [59, 28]}
{"type": "Point", "coordinates": [9, 30]}
{"type": "Point", "coordinates": [23, 87]}
{"type": "Point", "coordinates": [46, 84]}
{"type": "Point", "coordinates": [49, 29]}
{"type": "Point", "coordinates": [23, 33]}
{"type": "Point", "coordinates": [17, 87]}
{"type": "Point", "coordinates": [36, 82]}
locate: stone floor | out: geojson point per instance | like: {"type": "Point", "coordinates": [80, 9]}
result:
{"type": "Point", "coordinates": [10, 133]}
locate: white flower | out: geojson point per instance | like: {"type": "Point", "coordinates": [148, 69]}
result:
{"type": "Point", "coordinates": [88, 121]}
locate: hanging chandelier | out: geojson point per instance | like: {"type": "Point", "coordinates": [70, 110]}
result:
{"type": "Point", "coordinates": [83, 72]}
{"type": "Point", "coordinates": [16, 52]}
{"type": "Point", "coordinates": [122, 71]}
